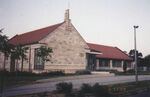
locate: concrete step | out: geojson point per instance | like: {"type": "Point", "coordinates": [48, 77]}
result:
{"type": "Point", "coordinates": [102, 73]}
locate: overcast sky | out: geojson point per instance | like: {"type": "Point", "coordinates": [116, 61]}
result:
{"type": "Point", "coordinates": [106, 22]}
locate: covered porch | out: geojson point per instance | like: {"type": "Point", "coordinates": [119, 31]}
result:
{"type": "Point", "coordinates": [91, 60]}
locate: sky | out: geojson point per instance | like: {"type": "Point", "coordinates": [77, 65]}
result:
{"type": "Point", "coordinates": [106, 22]}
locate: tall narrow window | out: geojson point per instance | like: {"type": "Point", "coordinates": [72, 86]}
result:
{"type": "Point", "coordinates": [38, 61]}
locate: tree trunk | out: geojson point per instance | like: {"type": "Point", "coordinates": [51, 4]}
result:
{"type": "Point", "coordinates": [30, 59]}
{"type": "Point", "coordinates": [22, 65]}
{"type": "Point", "coordinates": [4, 62]}
{"type": "Point", "coordinates": [17, 65]}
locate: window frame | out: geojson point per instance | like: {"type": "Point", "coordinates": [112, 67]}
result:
{"type": "Point", "coordinates": [39, 63]}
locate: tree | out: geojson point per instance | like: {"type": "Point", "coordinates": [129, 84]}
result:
{"type": "Point", "coordinates": [125, 66]}
{"type": "Point", "coordinates": [44, 53]}
{"type": "Point", "coordinates": [5, 48]}
{"type": "Point", "coordinates": [19, 52]}
{"type": "Point", "coordinates": [147, 60]}
{"type": "Point", "coordinates": [16, 55]}
{"type": "Point", "coordinates": [132, 54]}
{"type": "Point", "coordinates": [139, 56]}
{"type": "Point", "coordinates": [23, 56]}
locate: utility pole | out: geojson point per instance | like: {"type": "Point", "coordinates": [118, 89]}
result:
{"type": "Point", "coordinates": [135, 61]}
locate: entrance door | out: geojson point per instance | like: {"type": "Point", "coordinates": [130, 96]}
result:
{"type": "Point", "coordinates": [91, 62]}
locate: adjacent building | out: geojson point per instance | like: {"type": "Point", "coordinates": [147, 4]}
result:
{"type": "Point", "coordinates": [112, 58]}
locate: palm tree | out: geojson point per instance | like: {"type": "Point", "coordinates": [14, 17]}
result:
{"type": "Point", "coordinates": [5, 48]}
{"type": "Point", "coordinates": [23, 51]}
{"type": "Point", "coordinates": [16, 55]}
{"type": "Point", "coordinates": [19, 52]}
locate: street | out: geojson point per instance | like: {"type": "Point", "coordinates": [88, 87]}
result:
{"type": "Point", "coordinates": [49, 84]}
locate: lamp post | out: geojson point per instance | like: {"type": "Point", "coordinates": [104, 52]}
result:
{"type": "Point", "coordinates": [136, 73]}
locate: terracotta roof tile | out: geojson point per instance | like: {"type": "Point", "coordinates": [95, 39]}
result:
{"type": "Point", "coordinates": [109, 52]}
{"type": "Point", "coordinates": [33, 36]}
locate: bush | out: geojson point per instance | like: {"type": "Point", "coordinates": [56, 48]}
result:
{"type": "Point", "coordinates": [25, 73]}
{"type": "Point", "coordinates": [64, 87]}
{"type": "Point", "coordinates": [100, 91]}
{"type": "Point", "coordinates": [86, 88]}
{"type": "Point", "coordinates": [82, 72]}
{"type": "Point", "coordinates": [96, 90]}
{"type": "Point", "coordinates": [18, 73]}
{"type": "Point", "coordinates": [131, 71]}
{"type": "Point", "coordinates": [53, 73]}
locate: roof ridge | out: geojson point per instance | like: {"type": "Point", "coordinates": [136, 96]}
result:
{"type": "Point", "coordinates": [39, 29]}
{"type": "Point", "coordinates": [53, 29]}
{"type": "Point", "coordinates": [27, 38]}
{"type": "Point", "coordinates": [12, 38]}
{"type": "Point", "coordinates": [101, 45]}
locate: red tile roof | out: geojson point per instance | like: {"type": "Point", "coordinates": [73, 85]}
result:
{"type": "Point", "coordinates": [33, 36]}
{"type": "Point", "coordinates": [109, 52]}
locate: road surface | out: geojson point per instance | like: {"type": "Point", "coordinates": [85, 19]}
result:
{"type": "Point", "coordinates": [49, 84]}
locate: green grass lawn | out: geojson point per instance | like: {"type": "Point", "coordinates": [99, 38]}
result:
{"type": "Point", "coordinates": [20, 80]}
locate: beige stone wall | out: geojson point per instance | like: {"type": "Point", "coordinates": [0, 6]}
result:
{"type": "Point", "coordinates": [69, 49]}
{"type": "Point", "coordinates": [7, 66]}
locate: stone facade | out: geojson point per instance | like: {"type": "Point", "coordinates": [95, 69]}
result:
{"type": "Point", "coordinates": [69, 49]}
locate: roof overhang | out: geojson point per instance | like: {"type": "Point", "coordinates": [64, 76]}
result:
{"type": "Point", "coordinates": [94, 53]}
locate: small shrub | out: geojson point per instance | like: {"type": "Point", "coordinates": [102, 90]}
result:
{"type": "Point", "coordinates": [86, 88]}
{"type": "Point", "coordinates": [100, 91]}
{"type": "Point", "coordinates": [113, 71]}
{"type": "Point", "coordinates": [82, 72]}
{"type": "Point", "coordinates": [64, 87]}
{"type": "Point", "coordinates": [53, 73]}
{"type": "Point", "coordinates": [131, 71]}
{"type": "Point", "coordinates": [25, 73]}
{"type": "Point", "coordinates": [42, 94]}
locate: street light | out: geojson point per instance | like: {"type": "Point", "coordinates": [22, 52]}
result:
{"type": "Point", "coordinates": [136, 73]}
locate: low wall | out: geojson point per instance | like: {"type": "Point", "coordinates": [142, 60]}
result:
{"type": "Point", "coordinates": [67, 68]}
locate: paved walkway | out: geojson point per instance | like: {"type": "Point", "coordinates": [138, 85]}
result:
{"type": "Point", "coordinates": [77, 81]}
